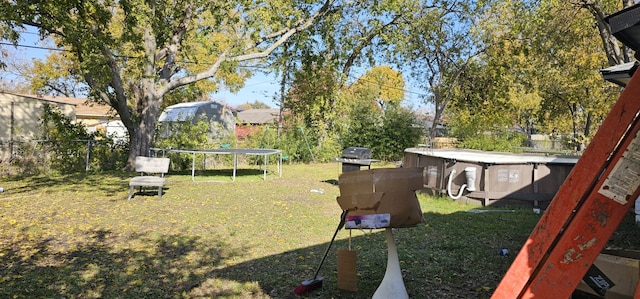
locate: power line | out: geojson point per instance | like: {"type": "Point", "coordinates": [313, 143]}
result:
{"type": "Point", "coordinates": [30, 33]}
{"type": "Point", "coordinates": [207, 63]}
{"type": "Point", "coordinates": [34, 47]}
{"type": "Point", "coordinates": [120, 56]}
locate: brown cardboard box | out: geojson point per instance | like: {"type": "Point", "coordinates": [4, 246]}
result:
{"type": "Point", "coordinates": [347, 270]}
{"type": "Point", "coordinates": [383, 191]}
{"type": "Point", "coordinates": [622, 268]}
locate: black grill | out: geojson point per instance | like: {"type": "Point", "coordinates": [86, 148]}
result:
{"type": "Point", "coordinates": [355, 157]}
{"type": "Point", "coordinates": [356, 153]}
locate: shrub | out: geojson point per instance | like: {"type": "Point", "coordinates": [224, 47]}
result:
{"type": "Point", "coordinates": [494, 141]}
{"type": "Point", "coordinates": [297, 144]}
{"type": "Point", "coordinates": [192, 135]}
{"type": "Point", "coordinates": [398, 132]}
{"type": "Point", "coordinates": [68, 147]}
{"type": "Point", "coordinates": [27, 160]}
{"type": "Point", "coordinates": [109, 155]}
{"type": "Point", "coordinates": [387, 133]}
{"type": "Point", "coordinates": [65, 141]}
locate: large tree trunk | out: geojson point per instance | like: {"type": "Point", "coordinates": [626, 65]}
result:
{"type": "Point", "coordinates": [148, 101]}
{"type": "Point", "coordinates": [440, 102]}
{"type": "Point", "coordinates": [440, 105]}
{"type": "Point", "coordinates": [573, 109]}
{"type": "Point", "coordinates": [141, 139]}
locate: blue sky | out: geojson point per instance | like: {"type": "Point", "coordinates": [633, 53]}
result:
{"type": "Point", "coordinates": [260, 87]}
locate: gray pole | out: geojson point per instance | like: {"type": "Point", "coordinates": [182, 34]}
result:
{"type": "Point", "coordinates": [12, 132]}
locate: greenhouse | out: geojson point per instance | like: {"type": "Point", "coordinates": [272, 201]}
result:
{"type": "Point", "coordinates": [220, 118]}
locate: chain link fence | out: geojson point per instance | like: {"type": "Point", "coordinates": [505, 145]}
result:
{"type": "Point", "coordinates": [68, 156]}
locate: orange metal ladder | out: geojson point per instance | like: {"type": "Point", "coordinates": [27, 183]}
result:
{"type": "Point", "coordinates": [586, 210]}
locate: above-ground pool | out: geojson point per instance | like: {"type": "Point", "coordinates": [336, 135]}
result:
{"type": "Point", "coordinates": [491, 176]}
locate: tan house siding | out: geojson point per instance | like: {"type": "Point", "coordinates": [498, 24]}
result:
{"type": "Point", "coordinates": [88, 113]}
{"type": "Point", "coordinates": [20, 116]}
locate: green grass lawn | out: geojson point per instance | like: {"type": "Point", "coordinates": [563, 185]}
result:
{"type": "Point", "coordinates": [77, 236]}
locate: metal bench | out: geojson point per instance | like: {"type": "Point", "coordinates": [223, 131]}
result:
{"type": "Point", "coordinates": [149, 169]}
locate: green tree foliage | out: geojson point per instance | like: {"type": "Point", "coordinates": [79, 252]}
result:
{"type": "Point", "coordinates": [616, 53]}
{"type": "Point", "coordinates": [351, 38]}
{"type": "Point", "coordinates": [497, 91]}
{"type": "Point", "coordinates": [386, 132]}
{"type": "Point", "coordinates": [575, 97]}
{"type": "Point", "coordinates": [259, 105]}
{"type": "Point", "coordinates": [399, 131]}
{"type": "Point", "coordinates": [434, 43]}
{"type": "Point", "coordinates": [477, 130]}
{"type": "Point", "coordinates": [374, 116]}
{"type": "Point", "coordinates": [381, 84]}
{"type": "Point", "coordinates": [313, 101]}
{"type": "Point", "coordinates": [336, 44]}
{"type": "Point", "coordinates": [538, 69]}
{"type": "Point", "coordinates": [496, 140]}
{"type": "Point", "coordinates": [185, 134]}
{"type": "Point", "coordinates": [68, 146]}
{"type": "Point", "coordinates": [295, 141]}
{"type": "Point", "coordinates": [245, 106]}
{"type": "Point", "coordinates": [361, 124]}
{"type": "Point", "coordinates": [133, 54]}
{"type": "Point", "coordinates": [8, 34]}
{"type": "Point", "coordinates": [57, 75]}
{"type": "Point", "coordinates": [254, 105]}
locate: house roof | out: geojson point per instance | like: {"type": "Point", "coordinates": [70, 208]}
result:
{"type": "Point", "coordinates": [190, 104]}
{"type": "Point", "coordinates": [26, 96]}
{"type": "Point", "coordinates": [258, 116]}
{"type": "Point", "coordinates": [84, 108]}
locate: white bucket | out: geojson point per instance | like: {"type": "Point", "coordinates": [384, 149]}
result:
{"type": "Point", "coordinates": [470, 174]}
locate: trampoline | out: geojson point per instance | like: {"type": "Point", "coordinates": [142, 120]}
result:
{"type": "Point", "coordinates": [230, 151]}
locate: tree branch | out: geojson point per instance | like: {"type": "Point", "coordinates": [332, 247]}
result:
{"type": "Point", "coordinates": [51, 31]}
{"type": "Point", "coordinates": [301, 25]}
{"type": "Point", "coordinates": [282, 36]}
{"type": "Point", "coordinates": [367, 41]}
{"type": "Point", "coordinates": [176, 40]}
